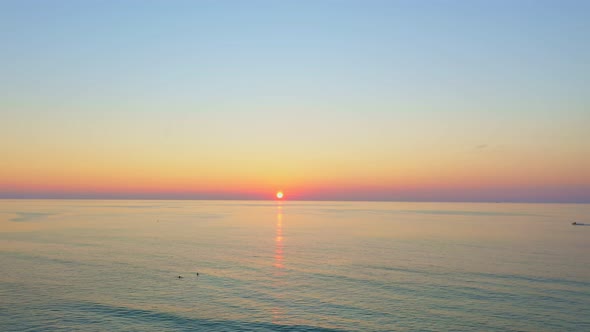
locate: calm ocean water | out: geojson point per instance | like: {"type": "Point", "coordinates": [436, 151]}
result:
{"type": "Point", "coordinates": [293, 266]}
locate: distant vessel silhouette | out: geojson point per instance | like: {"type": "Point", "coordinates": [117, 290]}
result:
{"type": "Point", "coordinates": [578, 224]}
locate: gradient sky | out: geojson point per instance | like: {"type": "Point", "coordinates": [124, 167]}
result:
{"type": "Point", "coordinates": [351, 100]}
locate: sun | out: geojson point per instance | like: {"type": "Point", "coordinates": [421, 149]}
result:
{"type": "Point", "coordinates": [280, 195]}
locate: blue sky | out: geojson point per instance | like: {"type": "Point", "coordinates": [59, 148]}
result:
{"type": "Point", "coordinates": [389, 82]}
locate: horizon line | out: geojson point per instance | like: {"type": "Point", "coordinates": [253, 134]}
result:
{"type": "Point", "coordinates": [294, 200]}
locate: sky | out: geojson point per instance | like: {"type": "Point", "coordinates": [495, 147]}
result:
{"type": "Point", "coordinates": [324, 100]}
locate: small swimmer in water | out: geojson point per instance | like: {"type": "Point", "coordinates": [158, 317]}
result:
{"type": "Point", "coordinates": [180, 277]}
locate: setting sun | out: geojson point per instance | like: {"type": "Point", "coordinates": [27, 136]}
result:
{"type": "Point", "coordinates": [280, 195]}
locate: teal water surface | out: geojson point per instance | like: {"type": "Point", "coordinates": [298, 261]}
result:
{"type": "Point", "coordinates": [91, 265]}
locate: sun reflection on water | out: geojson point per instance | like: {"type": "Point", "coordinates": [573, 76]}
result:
{"type": "Point", "coordinates": [279, 239]}
{"type": "Point", "coordinates": [278, 312]}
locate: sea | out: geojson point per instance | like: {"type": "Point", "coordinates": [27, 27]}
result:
{"type": "Point", "coordinates": [155, 265]}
